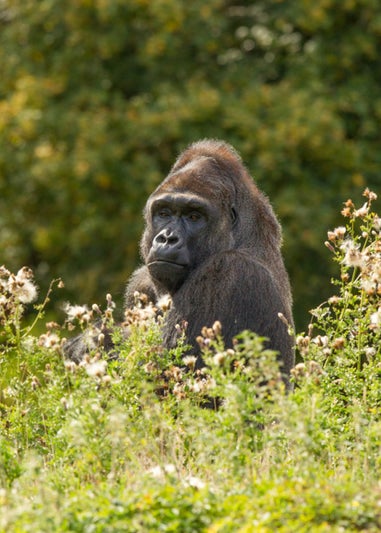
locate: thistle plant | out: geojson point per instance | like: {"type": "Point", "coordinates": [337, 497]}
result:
{"type": "Point", "coordinates": [342, 346]}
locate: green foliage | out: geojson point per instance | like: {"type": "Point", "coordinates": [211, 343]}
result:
{"type": "Point", "coordinates": [145, 442]}
{"type": "Point", "coordinates": [98, 98]}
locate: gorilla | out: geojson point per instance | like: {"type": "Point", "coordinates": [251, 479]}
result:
{"type": "Point", "coordinates": [212, 242]}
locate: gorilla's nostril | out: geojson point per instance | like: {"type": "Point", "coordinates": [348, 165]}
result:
{"type": "Point", "coordinates": [172, 239]}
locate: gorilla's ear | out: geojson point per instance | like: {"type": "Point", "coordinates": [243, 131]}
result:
{"type": "Point", "coordinates": [233, 214]}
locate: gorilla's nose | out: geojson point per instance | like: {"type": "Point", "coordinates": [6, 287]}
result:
{"type": "Point", "coordinates": [166, 238]}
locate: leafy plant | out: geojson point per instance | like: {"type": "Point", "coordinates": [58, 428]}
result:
{"type": "Point", "coordinates": [144, 442]}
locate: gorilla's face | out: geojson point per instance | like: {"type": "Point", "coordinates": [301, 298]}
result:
{"type": "Point", "coordinates": [180, 225]}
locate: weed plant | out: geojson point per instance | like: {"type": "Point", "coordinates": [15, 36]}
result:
{"type": "Point", "coordinates": [143, 442]}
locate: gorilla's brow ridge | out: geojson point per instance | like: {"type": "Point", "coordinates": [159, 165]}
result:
{"type": "Point", "coordinates": [184, 200]}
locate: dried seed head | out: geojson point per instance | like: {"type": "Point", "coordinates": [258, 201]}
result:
{"type": "Point", "coordinates": [370, 195]}
{"type": "Point", "coordinates": [190, 361]}
{"type": "Point", "coordinates": [217, 328]}
{"type": "Point", "coordinates": [219, 358]}
{"type": "Point", "coordinates": [362, 212]}
{"type": "Point", "coordinates": [338, 344]}
{"type": "Point", "coordinates": [329, 246]}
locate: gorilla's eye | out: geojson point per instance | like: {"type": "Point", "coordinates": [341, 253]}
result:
{"type": "Point", "coordinates": [164, 213]}
{"type": "Point", "coordinates": [194, 216]}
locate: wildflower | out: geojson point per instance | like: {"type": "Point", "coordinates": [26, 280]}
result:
{"type": "Point", "coordinates": [375, 319]}
{"type": "Point", "coordinates": [164, 303]}
{"type": "Point", "coordinates": [77, 312]}
{"type": "Point", "coordinates": [106, 379]}
{"type": "Point", "coordinates": [219, 358]}
{"type": "Point", "coordinates": [190, 361]}
{"type": "Point", "coordinates": [195, 482]}
{"type": "Point", "coordinates": [49, 340]}
{"type": "Point", "coordinates": [64, 403]}
{"type": "Point", "coordinates": [353, 256]}
{"type": "Point", "coordinates": [35, 382]}
{"type": "Point", "coordinates": [370, 195]}
{"type": "Point", "coordinates": [337, 234]}
{"type": "Point", "coordinates": [22, 286]}
{"type": "Point", "coordinates": [96, 309]}
{"type": "Point", "coordinates": [347, 210]}
{"type": "Point", "coordinates": [217, 328]}
{"type": "Point", "coordinates": [110, 303]}
{"type": "Point", "coordinates": [70, 366]}
{"type": "Point", "coordinates": [377, 223]}
{"type": "Point", "coordinates": [334, 300]}
{"type": "Point", "coordinates": [174, 373]}
{"type": "Point", "coordinates": [310, 369]}
{"type": "Point", "coordinates": [362, 212]}
{"type": "Point", "coordinates": [369, 285]}
{"type": "Point", "coordinates": [178, 391]}
{"type": "Point", "coordinates": [96, 369]}
{"type": "Point", "coordinates": [181, 328]}
{"type": "Point", "coordinates": [283, 319]}
{"type": "Point", "coordinates": [150, 367]}
{"type": "Point", "coordinates": [370, 352]}
{"type": "Point", "coordinates": [338, 344]}
{"type": "Point", "coordinates": [160, 471]}
{"type": "Point", "coordinates": [303, 343]}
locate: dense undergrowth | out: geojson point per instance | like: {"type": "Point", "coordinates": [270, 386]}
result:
{"type": "Point", "coordinates": [128, 444]}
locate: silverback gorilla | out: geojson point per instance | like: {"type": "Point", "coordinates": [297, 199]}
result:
{"type": "Point", "coordinates": [212, 241]}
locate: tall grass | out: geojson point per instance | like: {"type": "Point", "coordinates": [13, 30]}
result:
{"type": "Point", "coordinates": [143, 443]}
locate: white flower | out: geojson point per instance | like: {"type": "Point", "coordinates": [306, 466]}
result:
{"type": "Point", "coordinates": [160, 471]}
{"type": "Point", "coordinates": [375, 319]}
{"type": "Point", "coordinates": [195, 482]}
{"type": "Point", "coordinates": [49, 340]}
{"type": "Point", "coordinates": [337, 233]}
{"type": "Point", "coordinates": [80, 312]}
{"type": "Point", "coordinates": [377, 223]}
{"type": "Point", "coordinates": [96, 369]}
{"type": "Point", "coordinates": [353, 256]}
{"type": "Point", "coordinates": [22, 286]}
{"type": "Point", "coordinates": [363, 211]}
{"type": "Point", "coordinates": [190, 361]}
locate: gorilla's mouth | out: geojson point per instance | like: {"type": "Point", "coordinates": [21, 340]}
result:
{"type": "Point", "coordinates": [164, 263]}
{"type": "Point", "coordinates": [168, 273]}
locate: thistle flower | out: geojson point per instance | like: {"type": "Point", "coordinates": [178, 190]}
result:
{"type": "Point", "coordinates": [375, 319]}
{"type": "Point", "coordinates": [353, 256]}
{"type": "Point", "coordinates": [49, 340]}
{"type": "Point", "coordinates": [77, 312]}
{"type": "Point", "coordinates": [362, 212]}
{"type": "Point", "coordinates": [22, 287]}
{"type": "Point", "coordinates": [190, 361]}
{"type": "Point", "coordinates": [219, 358]}
{"type": "Point", "coordinates": [337, 234]}
{"type": "Point", "coordinates": [96, 369]}
{"type": "Point", "coordinates": [195, 482]}
{"type": "Point", "coordinates": [370, 195]}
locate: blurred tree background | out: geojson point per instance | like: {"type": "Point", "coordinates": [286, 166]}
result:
{"type": "Point", "coordinates": [97, 98]}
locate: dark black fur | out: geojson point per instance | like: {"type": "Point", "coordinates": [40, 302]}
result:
{"type": "Point", "coordinates": [231, 265]}
{"type": "Point", "coordinates": [212, 242]}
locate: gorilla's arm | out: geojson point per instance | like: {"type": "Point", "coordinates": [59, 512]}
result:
{"type": "Point", "coordinates": [239, 292]}
{"type": "Point", "coordinates": [140, 281]}
{"type": "Point", "coordinates": [77, 347]}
